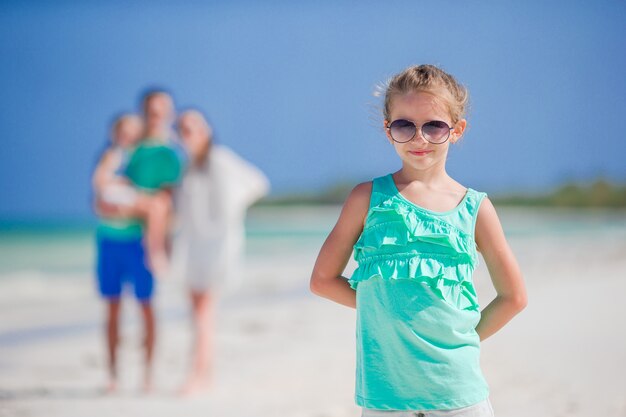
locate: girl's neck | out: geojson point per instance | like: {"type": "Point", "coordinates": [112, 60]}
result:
{"type": "Point", "coordinates": [435, 175]}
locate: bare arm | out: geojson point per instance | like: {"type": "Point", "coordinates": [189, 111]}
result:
{"type": "Point", "coordinates": [326, 279]}
{"type": "Point", "coordinates": [104, 175]}
{"type": "Point", "coordinates": [103, 172]}
{"type": "Point", "coordinates": [504, 271]}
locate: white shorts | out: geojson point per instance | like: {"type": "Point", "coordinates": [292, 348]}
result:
{"type": "Point", "coordinates": [205, 264]}
{"type": "Point", "coordinates": [481, 409]}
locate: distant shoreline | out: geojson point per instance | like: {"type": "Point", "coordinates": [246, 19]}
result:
{"type": "Point", "coordinates": [598, 194]}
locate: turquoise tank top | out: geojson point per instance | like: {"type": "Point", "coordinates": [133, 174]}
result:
{"type": "Point", "coordinates": [417, 310]}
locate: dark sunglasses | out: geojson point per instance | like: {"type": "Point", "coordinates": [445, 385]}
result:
{"type": "Point", "coordinates": [403, 131]}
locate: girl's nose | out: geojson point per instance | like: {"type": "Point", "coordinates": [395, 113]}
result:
{"type": "Point", "coordinates": [419, 137]}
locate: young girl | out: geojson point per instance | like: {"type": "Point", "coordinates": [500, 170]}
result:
{"type": "Point", "coordinates": [415, 235]}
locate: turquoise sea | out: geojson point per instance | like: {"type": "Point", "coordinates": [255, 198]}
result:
{"type": "Point", "coordinates": [57, 249]}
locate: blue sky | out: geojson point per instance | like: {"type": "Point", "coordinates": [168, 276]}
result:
{"type": "Point", "coordinates": [289, 86]}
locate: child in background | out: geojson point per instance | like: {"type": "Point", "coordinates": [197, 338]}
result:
{"type": "Point", "coordinates": [109, 183]}
{"type": "Point", "coordinates": [416, 235]}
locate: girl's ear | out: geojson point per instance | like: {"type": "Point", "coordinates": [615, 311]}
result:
{"type": "Point", "coordinates": [385, 127]}
{"type": "Point", "coordinates": [459, 129]}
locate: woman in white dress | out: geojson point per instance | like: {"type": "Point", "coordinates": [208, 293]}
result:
{"type": "Point", "coordinates": [211, 205]}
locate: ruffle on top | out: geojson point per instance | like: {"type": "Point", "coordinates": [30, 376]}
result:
{"type": "Point", "coordinates": [433, 252]}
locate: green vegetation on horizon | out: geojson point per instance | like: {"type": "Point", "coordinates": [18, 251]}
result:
{"type": "Point", "coordinates": [600, 193]}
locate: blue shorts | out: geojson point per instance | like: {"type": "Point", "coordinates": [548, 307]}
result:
{"type": "Point", "coordinates": [123, 261]}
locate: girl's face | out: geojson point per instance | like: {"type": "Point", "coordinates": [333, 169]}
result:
{"type": "Point", "coordinates": [193, 134]}
{"type": "Point", "coordinates": [128, 133]}
{"type": "Point", "coordinates": [420, 107]}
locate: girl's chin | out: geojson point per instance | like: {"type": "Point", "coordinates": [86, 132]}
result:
{"type": "Point", "coordinates": [418, 160]}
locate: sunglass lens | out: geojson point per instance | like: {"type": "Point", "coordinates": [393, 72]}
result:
{"type": "Point", "coordinates": [436, 131]}
{"type": "Point", "coordinates": [402, 130]}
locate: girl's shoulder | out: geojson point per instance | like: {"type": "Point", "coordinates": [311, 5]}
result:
{"type": "Point", "coordinates": [366, 191]}
{"type": "Point", "coordinates": [469, 195]}
{"type": "Point", "coordinates": [355, 207]}
{"type": "Point", "coordinates": [359, 198]}
{"type": "Point", "coordinates": [362, 189]}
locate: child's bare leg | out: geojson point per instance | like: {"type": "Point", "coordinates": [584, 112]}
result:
{"type": "Point", "coordinates": [112, 330]}
{"type": "Point", "coordinates": [149, 339]}
{"type": "Point", "coordinates": [203, 308]}
{"type": "Point", "coordinates": [156, 210]}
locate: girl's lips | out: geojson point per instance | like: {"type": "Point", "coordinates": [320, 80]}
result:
{"type": "Point", "coordinates": [420, 153]}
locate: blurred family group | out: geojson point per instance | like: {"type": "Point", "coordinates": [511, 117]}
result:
{"type": "Point", "coordinates": [171, 203]}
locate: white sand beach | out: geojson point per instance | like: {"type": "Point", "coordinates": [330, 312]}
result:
{"type": "Point", "coordinates": [280, 351]}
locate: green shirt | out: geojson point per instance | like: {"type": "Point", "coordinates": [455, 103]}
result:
{"type": "Point", "coordinates": [417, 347]}
{"type": "Point", "coordinates": [154, 165]}
{"type": "Point", "coordinates": [120, 229]}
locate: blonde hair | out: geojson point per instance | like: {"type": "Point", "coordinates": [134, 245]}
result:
{"type": "Point", "coordinates": [429, 79]}
{"type": "Point", "coordinates": [123, 119]}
